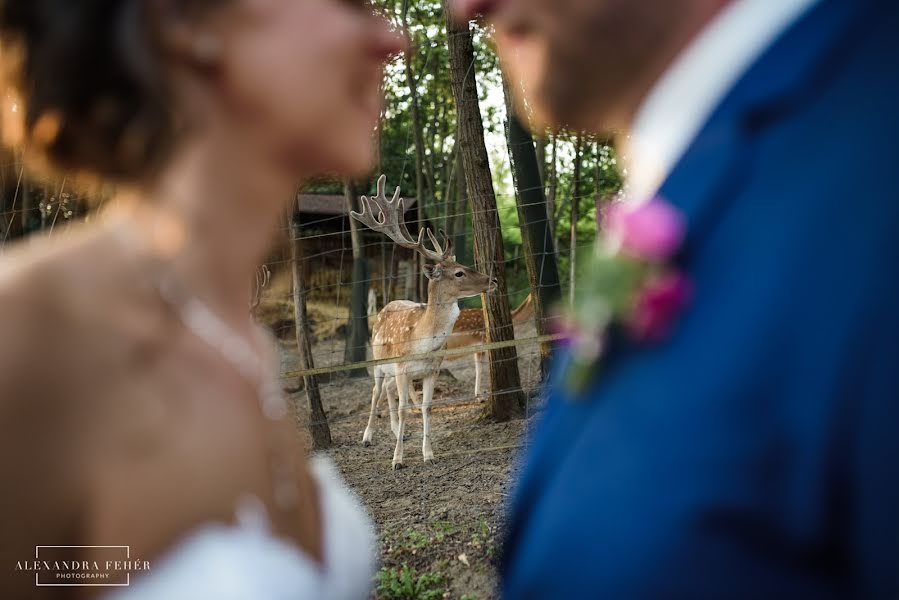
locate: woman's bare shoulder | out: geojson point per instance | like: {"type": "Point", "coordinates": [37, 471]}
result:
{"type": "Point", "coordinates": [77, 299]}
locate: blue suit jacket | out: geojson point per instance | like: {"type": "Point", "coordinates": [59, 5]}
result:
{"type": "Point", "coordinates": [755, 452]}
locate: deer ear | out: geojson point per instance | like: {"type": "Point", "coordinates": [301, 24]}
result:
{"type": "Point", "coordinates": [432, 272]}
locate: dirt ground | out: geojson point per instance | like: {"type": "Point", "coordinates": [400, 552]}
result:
{"type": "Point", "coordinates": [439, 525]}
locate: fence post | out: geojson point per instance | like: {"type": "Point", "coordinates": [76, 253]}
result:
{"type": "Point", "coordinates": [318, 421]}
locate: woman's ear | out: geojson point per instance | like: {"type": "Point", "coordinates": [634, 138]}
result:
{"type": "Point", "coordinates": [432, 272]}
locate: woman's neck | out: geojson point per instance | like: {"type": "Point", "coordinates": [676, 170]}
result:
{"type": "Point", "coordinates": [229, 203]}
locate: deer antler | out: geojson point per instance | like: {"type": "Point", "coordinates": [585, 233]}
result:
{"type": "Point", "coordinates": [391, 222]}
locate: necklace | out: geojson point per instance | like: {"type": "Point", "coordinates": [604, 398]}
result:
{"type": "Point", "coordinates": [241, 355]}
{"type": "Point", "coordinates": [202, 322]}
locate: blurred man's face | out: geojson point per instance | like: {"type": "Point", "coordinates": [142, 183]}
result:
{"type": "Point", "coordinates": [587, 64]}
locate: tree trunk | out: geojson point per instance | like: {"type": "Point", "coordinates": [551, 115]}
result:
{"type": "Point", "coordinates": [461, 228]}
{"type": "Point", "coordinates": [541, 159]}
{"type": "Point", "coordinates": [575, 204]}
{"type": "Point", "coordinates": [410, 278]}
{"type": "Point", "coordinates": [506, 399]}
{"type": "Point", "coordinates": [418, 137]}
{"type": "Point", "coordinates": [552, 189]}
{"type": "Point", "coordinates": [357, 326]}
{"type": "Point", "coordinates": [318, 421]}
{"type": "Point", "coordinates": [386, 273]}
{"type": "Point", "coordinates": [599, 200]}
{"type": "Point", "coordinates": [449, 203]}
{"type": "Point", "coordinates": [540, 255]}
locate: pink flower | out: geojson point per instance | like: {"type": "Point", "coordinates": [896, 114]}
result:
{"type": "Point", "coordinates": [650, 231]}
{"type": "Point", "coordinates": [658, 304]}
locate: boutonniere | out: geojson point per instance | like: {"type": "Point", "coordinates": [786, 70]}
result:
{"type": "Point", "coordinates": [629, 283]}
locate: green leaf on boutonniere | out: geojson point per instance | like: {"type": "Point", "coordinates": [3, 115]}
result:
{"type": "Point", "coordinates": [613, 279]}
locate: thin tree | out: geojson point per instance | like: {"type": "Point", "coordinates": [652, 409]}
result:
{"type": "Point", "coordinates": [462, 214]}
{"type": "Point", "coordinates": [552, 189]}
{"type": "Point", "coordinates": [541, 158]}
{"type": "Point", "coordinates": [357, 326]}
{"type": "Point", "coordinates": [506, 399]}
{"type": "Point", "coordinates": [318, 421]}
{"type": "Point", "coordinates": [421, 289]}
{"type": "Point", "coordinates": [575, 213]}
{"type": "Point", "coordinates": [449, 197]}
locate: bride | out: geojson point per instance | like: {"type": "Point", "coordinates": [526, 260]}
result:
{"type": "Point", "coordinates": [140, 406]}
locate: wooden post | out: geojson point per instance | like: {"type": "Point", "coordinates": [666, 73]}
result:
{"type": "Point", "coordinates": [506, 399]}
{"type": "Point", "coordinates": [318, 421]}
{"type": "Point", "coordinates": [357, 330]}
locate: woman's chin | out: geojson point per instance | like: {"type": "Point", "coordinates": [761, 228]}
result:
{"type": "Point", "coordinates": [351, 160]}
{"type": "Point", "coordinates": [350, 166]}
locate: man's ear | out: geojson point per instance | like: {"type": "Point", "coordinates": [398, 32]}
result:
{"type": "Point", "coordinates": [432, 272]}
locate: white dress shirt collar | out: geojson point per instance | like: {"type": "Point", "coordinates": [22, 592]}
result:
{"type": "Point", "coordinates": [684, 98]}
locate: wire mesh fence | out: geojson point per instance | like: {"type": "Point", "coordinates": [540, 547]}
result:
{"type": "Point", "coordinates": [468, 482]}
{"type": "Point", "coordinates": [327, 258]}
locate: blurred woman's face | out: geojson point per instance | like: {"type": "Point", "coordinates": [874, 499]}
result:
{"type": "Point", "coordinates": [303, 77]}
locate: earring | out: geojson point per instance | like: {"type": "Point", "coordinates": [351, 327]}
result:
{"type": "Point", "coordinates": [207, 49]}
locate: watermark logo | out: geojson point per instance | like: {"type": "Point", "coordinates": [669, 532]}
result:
{"type": "Point", "coordinates": [81, 566]}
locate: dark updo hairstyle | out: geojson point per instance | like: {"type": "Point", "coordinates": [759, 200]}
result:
{"type": "Point", "coordinates": [88, 73]}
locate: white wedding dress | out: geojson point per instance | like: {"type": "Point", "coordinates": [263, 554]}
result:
{"type": "Point", "coordinates": [247, 562]}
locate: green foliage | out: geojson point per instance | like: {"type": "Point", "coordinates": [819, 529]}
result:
{"type": "Point", "coordinates": [444, 529]}
{"type": "Point", "coordinates": [406, 584]}
{"type": "Point", "coordinates": [414, 541]}
{"type": "Point", "coordinates": [429, 63]}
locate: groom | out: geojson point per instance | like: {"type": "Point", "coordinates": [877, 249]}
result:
{"type": "Point", "coordinates": [754, 452]}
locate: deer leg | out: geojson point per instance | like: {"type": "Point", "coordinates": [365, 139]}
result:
{"type": "Point", "coordinates": [384, 387]}
{"type": "Point", "coordinates": [413, 395]}
{"type": "Point", "coordinates": [375, 394]}
{"type": "Point", "coordinates": [402, 388]}
{"type": "Point", "coordinates": [427, 396]}
{"type": "Point", "coordinates": [391, 405]}
{"type": "Point", "coordinates": [478, 371]}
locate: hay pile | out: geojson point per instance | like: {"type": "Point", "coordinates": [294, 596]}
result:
{"type": "Point", "coordinates": [276, 311]}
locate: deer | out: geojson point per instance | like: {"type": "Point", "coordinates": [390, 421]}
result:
{"type": "Point", "coordinates": [405, 328]}
{"type": "Point", "coordinates": [469, 330]}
